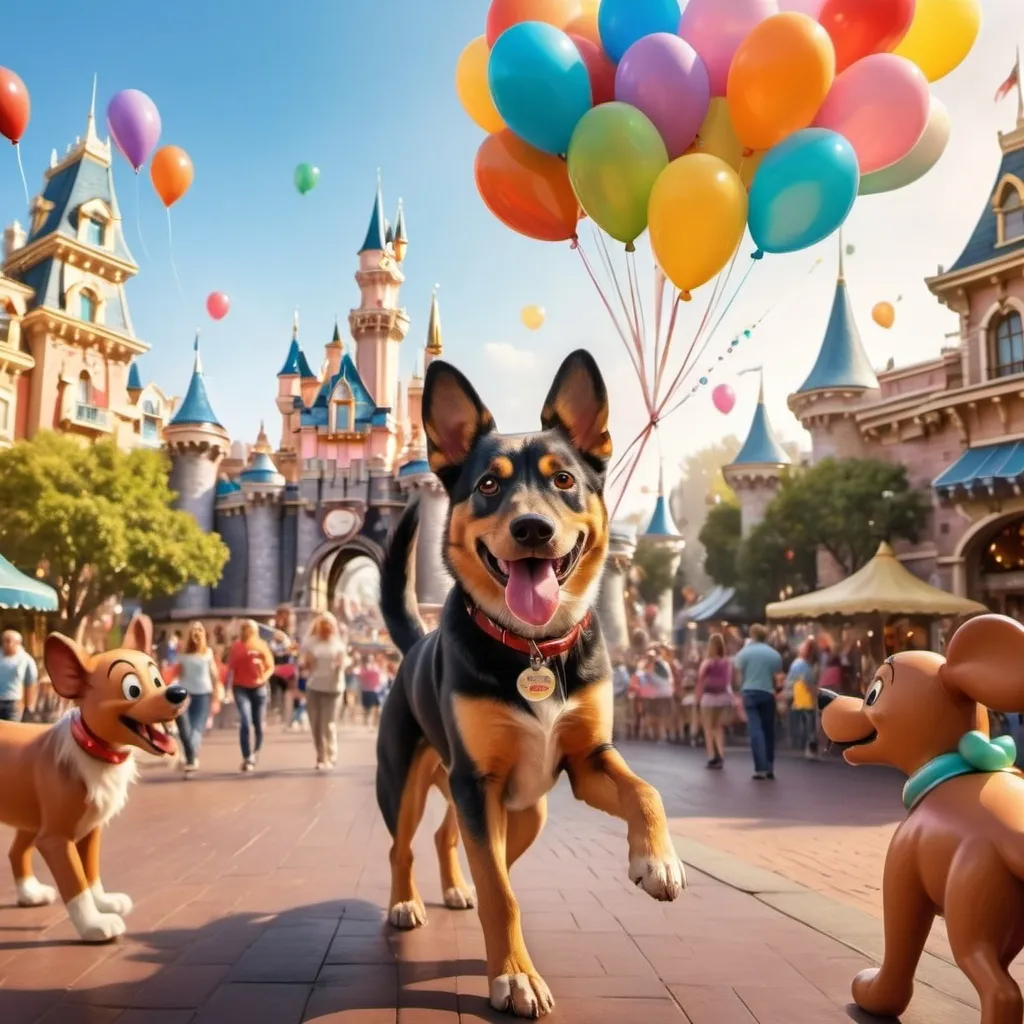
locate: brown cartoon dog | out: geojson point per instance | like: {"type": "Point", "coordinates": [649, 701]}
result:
{"type": "Point", "coordinates": [60, 784]}
{"type": "Point", "coordinates": [960, 851]}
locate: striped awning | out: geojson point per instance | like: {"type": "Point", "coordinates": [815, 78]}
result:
{"type": "Point", "coordinates": [984, 467]}
{"type": "Point", "coordinates": [20, 591]}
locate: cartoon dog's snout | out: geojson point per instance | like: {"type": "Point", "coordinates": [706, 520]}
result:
{"type": "Point", "coordinates": [825, 697]}
{"type": "Point", "coordinates": [176, 695]}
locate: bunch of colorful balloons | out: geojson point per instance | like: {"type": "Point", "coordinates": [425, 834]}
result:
{"type": "Point", "coordinates": [700, 119]}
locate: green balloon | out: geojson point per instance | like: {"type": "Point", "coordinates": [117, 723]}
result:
{"type": "Point", "coordinates": [615, 157]}
{"type": "Point", "coordinates": [306, 177]}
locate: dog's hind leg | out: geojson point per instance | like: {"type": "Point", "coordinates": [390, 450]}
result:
{"type": "Point", "coordinates": [458, 893]}
{"type": "Point", "coordinates": [106, 902]}
{"type": "Point", "coordinates": [31, 892]}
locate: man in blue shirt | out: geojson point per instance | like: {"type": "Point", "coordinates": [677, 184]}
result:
{"type": "Point", "coordinates": [18, 677]}
{"type": "Point", "coordinates": [758, 670]}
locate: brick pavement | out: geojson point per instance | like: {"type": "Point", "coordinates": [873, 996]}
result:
{"type": "Point", "coordinates": [261, 898]}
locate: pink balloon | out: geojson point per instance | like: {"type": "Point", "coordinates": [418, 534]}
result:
{"type": "Point", "coordinates": [880, 105]}
{"type": "Point", "coordinates": [724, 398]}
{"type": "Point", "coordinates": [217, 305]}
{"type": "Point", "coordinates": [809, 7]}
{"type": "Point", "coordinates": [716, 29]}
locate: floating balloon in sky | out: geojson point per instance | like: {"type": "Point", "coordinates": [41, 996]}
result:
{"type": "Point", "coordinates": [883, 314]}
{"type": "Point", "coordinates": [15, 106]}
{"type": "Point", "coordinates": [724, 398]}
{"type": "Point", "coordinates": [306, 177]}
{"type": "Point", "coordinates": [532, 317]}
{"type": "Point", "coordinates": [134, 124]}
{"type": "Point", "coordinates": [217, 305]}
{"type": "Point", "coordinates": [172, 174]}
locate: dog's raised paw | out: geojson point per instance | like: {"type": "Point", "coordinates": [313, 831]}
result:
{"type": "Point", "coordinates": [457, 898]}
{"type": "Point", "coordinates": [32, 892]}
{"type": "Point", "coordinates": [113, 903]}
{"type": "Point", "coordinates": [525, 995]}
{"type": "Point", "coordinates": [410, 914]}
{"type": "Point", "coordinates": [664, 878]}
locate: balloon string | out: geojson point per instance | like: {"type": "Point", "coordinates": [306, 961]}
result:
{"type": "Point", "coordinates": [641, 319]}
{"type": "Point", "coordinates": [620, 463]}
{"type": "Point", "coordinates": [138, 217]}
{"type": "Point", "coordinates": [174, 266]}
{"type": "Point", "coordinates": [640, 346]}
{"type": "Point", "coordinates": [636, 462]}
{"type": "Point", "coordinates": [659, 308]}
{"type": "Point", "coordinates": [21, 167]}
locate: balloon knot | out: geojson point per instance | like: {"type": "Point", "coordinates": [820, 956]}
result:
{"type": "Point", "coordinates": [574, 242]}
{"type": "Point", "coordinates": [630, 247]}
{"type": "Point", "coordinates": [684, 295]}
{"type": "Point", "coordinates": [758, 255]}
{"type": "Point", "coordinates": [747, 151]}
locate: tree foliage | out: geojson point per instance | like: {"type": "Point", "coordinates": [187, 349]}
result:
{"type": "Point", "coordinates": [98, 523]}
{"type": "Point", "coordinates": [720, 537]}
{"type": "Point", "coordinates": [655, 571]}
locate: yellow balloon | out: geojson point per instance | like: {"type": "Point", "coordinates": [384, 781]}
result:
{"type": "Point", "coordinates": [883, 314]}
{"type": "Point", "coordinates": [718, 137]}
{"type": "Point", "coordinates": [941, 35]}
{"type": "Point", "coordinates": [532, 317]}
{"type": "Point", "coordinates": [472, 86]}
{"type": "Point", "coordinates": [697, 216]}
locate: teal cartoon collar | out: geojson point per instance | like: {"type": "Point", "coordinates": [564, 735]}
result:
{"type": "Point", "coordinates": [975, 754]}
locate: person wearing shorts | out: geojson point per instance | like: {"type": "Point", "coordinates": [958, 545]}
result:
{"type": "Point", "coordinates": [715, 698]}
{"type": "Point", "coordinates": [370, 682]}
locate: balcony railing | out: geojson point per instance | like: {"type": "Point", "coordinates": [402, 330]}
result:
{"type": "Point", "coordinates": [90, 416]}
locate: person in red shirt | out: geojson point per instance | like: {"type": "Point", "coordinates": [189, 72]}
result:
{"type": "Point", "coordinates": [371, 680]}
{"type": "Point", "coordinates": [250, 666]}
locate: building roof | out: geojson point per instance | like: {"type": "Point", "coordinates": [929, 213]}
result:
{"type": "Point", "coordinates": [842, 361]}
{"type": "Point", "coordinates": [226, 487]}
{"type": "Point", "coordinates": [367, 412]}
{"type": "Point", "coordinates": [134, 377]}
{"type": "Point", "coordinates": [761, 448]}
{"type": "Point", "coordinates": [662, 524]}
{"type": "Point", "coordinates": [984, 466]}
{"type": "Point", "coordinates": [195, 407]}
{"type": "Point", "coordinates": [261, 471]}
{"type": "Point", "coordinates": [414, 467]}
{"type": "Point", "coordinates": [296, 364]}
{"type": "Point", "coordinates": [375, 233]}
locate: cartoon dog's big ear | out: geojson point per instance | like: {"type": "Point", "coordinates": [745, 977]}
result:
{"type": "Point", "coordinates": [985, 663]}
{"type": "Point", "coordinates": [139, 634]}
{"type": "Point", "coordinates": [578, 405]}
{"type": "Point", "coordinates": [65, 664]}
{"type": "Point", "coordinates": [454, 419]}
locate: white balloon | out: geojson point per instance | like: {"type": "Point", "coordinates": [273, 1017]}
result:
{"type": "Point", "coordinates": [919, 161]}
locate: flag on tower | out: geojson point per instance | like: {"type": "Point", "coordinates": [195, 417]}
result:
{"type": "Point", "coordinates": [1010, 84]}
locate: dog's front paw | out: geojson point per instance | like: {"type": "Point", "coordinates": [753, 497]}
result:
{"type": "Point", "coordinates": [525, 995]}
{"type": "Point", "coordinates": [880, 999]}
{"type": "Point", "coordinates": [410, 914]}
{"type": "Point", "coordinates": [32, 892]}
{"type": "Point", "coordinates": [660, 876]}
{"type": "Point", "coordinates": [459, 898]}
{"type": "Point", "coordinates": [112, 902]}
{"type": "Point", "coordinates": [91, 924]}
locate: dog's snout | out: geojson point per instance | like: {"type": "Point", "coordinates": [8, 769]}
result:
{"type": "Point", "coordinates": [176, 694]}
{"type": "Point", "coordinates": [531, 529]}
{"type": "Point", "coordinates": [825, 697]}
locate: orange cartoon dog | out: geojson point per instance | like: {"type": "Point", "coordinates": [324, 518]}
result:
{"type": "Point", "coordinates": [60, 784]}
{"type": "Point", "coordinates": [960, 850]}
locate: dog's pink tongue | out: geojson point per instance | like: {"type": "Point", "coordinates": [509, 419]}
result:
{"type": "Point", "coordinates": [532, 590]}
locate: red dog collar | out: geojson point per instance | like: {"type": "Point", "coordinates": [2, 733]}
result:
{"type": "Point", "coordinates": [546, 648]}
{"type": "Point", "coordinates": [93, 745]}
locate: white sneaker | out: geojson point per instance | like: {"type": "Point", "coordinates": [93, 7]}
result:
{"type": "Point", "coordinates": [190, 768]}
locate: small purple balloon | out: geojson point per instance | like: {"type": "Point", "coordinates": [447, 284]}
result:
{"type": "Point", "coordinates": [662, 76]}
{"type": "Point", "coordinates": [134, 124]}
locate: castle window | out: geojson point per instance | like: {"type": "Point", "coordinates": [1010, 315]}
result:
{"type": "Point", "coordinates": [94, 232]}
{"type": "Point", "coordinates": [84, 389]}
{"type": "Point", "coordinates": [343, 409]}
{"type": "Point", "coordinates": [150, 429]}
{"type": "Point", "coordinates": [5, 415]}
{"type": "Point", "coordinates": [1007, 345]}
{"type": "Point", "coordinates": [87, 306]}
{"type": "Point", "coordinates": [149, 406]}
{"type": "Point", "coordinates": [1012, 215]}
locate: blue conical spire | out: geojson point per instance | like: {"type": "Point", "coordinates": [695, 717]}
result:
{"type": "Point", "coordinates": [375, 234]}
{"type": "Point", "coordinates": [761, 447]}
{"type": "Point", "coordinates": [662, 525]}
{"type": "Point", "coordinates": [296, 364]}
{"type": "Point", "coordinates": [134, 377]}
{"type": "Point", "coordinates": [196, 408]}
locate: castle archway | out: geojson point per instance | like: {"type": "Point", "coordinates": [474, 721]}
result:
{"type": "Point", "coordinates": [993, 562]}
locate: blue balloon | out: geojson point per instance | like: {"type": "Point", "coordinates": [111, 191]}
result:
{"type": "Point", "coordinates": [803, 190]}
{"type": "Point", "coordinates": [539, 84]}
{"type": "Point", "coordinates": [624, 22]}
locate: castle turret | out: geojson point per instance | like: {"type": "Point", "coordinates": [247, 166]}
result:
{"type": "Point", "coordinates": [134, 382]}
{"type": "Point", "coordinates": [434, 348]}
{"type": "Point", "coordinates": [295, 370]}
{"type": "Point", "coordinates": [663, 534]}
{"type": "Point", "coordinates": [196, 443]}
{"type": "Point", "coordinates": [334, 351]}
{"type": "Point", "coordinates": [759, 465]}
{"type": "Point", "coordinates": [401, 242]}
{"type": "Point", "coordinates": [262, 486]}
{"type": "Point", "coordinates": [840, 382]}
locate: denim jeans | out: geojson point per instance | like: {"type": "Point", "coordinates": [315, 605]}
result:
{"type": "Point", "coordinates": [252, 711]}
{"type": "Point", "coordinates": [10, 711]}
{"type": "Point", "coordinates": [760, 708]}
{"type": "Point", "coordinates": [192, 725]}
{"type": "Point", "coordinates": [802, 729]}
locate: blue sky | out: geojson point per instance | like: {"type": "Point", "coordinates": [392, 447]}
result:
{"type": "Point", "coordinates": [250, 90]}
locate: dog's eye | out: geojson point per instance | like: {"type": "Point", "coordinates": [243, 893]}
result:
{"type": "Point", "coordinates": [564, 481]}
{"type": "Point", "coordinates": [131, 687]}
{"type": "Point", "coordinates": [871, 697]}
{"type": "Point", "coordinates": [488, 487]}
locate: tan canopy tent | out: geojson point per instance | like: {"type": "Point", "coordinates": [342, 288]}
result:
{"type": "Point", "coordinates": [882, 587]}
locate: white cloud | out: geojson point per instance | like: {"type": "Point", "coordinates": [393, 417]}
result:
{"type": "Point", "coordinates": [508, 357]}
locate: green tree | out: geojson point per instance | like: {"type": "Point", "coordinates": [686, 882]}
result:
{"type": "Point", "coordinates": [769, 569]}
{"type": "Point", "coordinates": [97, 522]}
{"type": "Point", "coordinates": [720, 537]}
{"type": "Point", "coordinates": [655, 571]}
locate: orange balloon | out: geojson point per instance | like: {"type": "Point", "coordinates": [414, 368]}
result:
{"type": "Point", "coordinates": [527, 190]}
{"type": "Point", "coordinates": [779, 77]}
{"type": "Point", "coordinates": [171, 171]}
{"type": "Point", "coordinates": [585, 25]}
{"type": "Point", "coordinates": [883, 314]}
{"type": "Point", "coordinates": [506, 13]}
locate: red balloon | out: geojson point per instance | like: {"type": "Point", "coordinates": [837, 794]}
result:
{"type": "Point", "coordinates": [14, 106]}
{"type": "Point", "coordinates": [217, 305]}
{"type": "Point", "coordinates": [862, 27]}
{"type": "Point", "coordinates": [600, 67]}
{"type": "Point", "coordinates": [503, 14]}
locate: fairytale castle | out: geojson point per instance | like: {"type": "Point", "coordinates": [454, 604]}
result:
{"type": "Point", "coordinates": [351, 450]}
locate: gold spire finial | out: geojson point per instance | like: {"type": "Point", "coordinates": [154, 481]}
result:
{"type": "Point", "coordinates": [262, 441]}
{"type": "Point", "coordinates": [295, 325]}
{"type": "Point", "coordinates": [434, 346]}
{"type": "Point", "coordinates": [842, 265]}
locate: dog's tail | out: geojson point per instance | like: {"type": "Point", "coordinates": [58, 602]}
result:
{"type": "Point", "coordinates": [398, 579]}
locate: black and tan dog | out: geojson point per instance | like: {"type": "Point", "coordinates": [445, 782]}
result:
{"type": "Point", "coordinates": [514, 685]}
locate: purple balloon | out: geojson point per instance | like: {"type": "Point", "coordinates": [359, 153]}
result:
{"type": "Point", "coordinates": [134, 124]}
{"type": "Point", "coordinates": [662, 76]}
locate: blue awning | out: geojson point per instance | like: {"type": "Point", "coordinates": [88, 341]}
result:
{"type": "Point", "coordinates": [984, 466]}
{"type": "Point", "coordinates": [20, 591]}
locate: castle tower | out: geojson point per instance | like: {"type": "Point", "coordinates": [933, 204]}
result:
{"type": "Point", "coordinates": [262, 487]}
{"type": "Point", "coordinates": [334, 351]}
{"type": "Point", "coordinates": [400, 243]}
{"type": "Point", "coordinates": [663, 534]}
{"type": "Point", "coordinates": [290, 380]}
{"type": "Point", "coordinates": [134, 382]}
{"type": "Point", "coordinates": [611, 600]}
{"type": "Point", "coordinates": [755, 472]}
{"type": "Point", "coordinates": [840, 382]}
{"type": "Point", "coordinates": [434, 348]}
{"type": "Point", "coordinates": [196, 443]}
{"type": "Point", "coordinates": [77, 328]}
{"type": "Point", "coordinates": [379, 325]}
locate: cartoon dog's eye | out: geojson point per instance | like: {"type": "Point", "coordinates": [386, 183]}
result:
{"type": "Point", "coordinates": [488, 487]}
{"type": "Point", "coordinates": [131, 687]}
{"type": "Point", "coordinates": [564, 481]}
{"type": "Point", "coordinates": [871, 697]}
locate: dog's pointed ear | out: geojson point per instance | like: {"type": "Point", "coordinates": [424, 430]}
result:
{"type": "Point", "coordinates": [454, 419]}
{"type": "Point", "coordinates": [578, 406]}
{"type": "Point", "coordinates": [985, 663]}
{"type": "Point", "coordinates": [139, 634]}
{"type": "Point", "coordinates": [65, 665]}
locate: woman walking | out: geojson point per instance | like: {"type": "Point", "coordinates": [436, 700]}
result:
{"type": "Point", "coordinates": [715, 698]}
{"type": "Point", "coordinates": [322, 657]}
{"type": "Point", "coordinates": [250, 666]}
{"type": "Point", "coordinates": [196, 671]}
